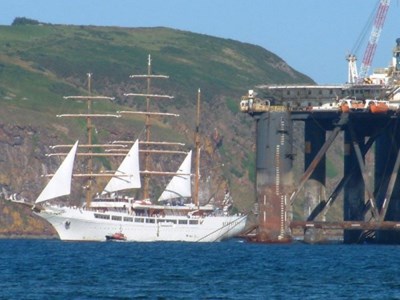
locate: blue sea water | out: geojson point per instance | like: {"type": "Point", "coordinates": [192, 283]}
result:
{"type": "Point", "coordinates": [51, 269]}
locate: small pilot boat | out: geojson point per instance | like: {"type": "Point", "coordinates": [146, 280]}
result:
{"type": "Point", "coordinates": [118, 236]}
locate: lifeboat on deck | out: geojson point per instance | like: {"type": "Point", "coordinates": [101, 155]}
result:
{"type": "Point", "coordinates": [347, 105]}
{"type": "Point", "coordinates": [378, 106]}
{"type": "Point", "coordinates": [344, 107]}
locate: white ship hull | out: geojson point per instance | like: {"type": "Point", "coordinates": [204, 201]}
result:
{"type": "Point", "coordinates": [74, 224]}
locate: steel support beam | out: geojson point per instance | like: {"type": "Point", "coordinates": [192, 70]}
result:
{"type": "Point", "coordinates": [354, 189]}
{"type": "Point", "coordinates": [348, 225]}
{"type": "Point", "coordinates": [343, 120]}
{"type": "Point", "coordinates": [343, 182]}
{"type": "Point", "coordinates": [389, 191]}
{"type": "Point", "coordinates": [314, 187]}
{"type": "Point", "coordinates": [361, 165]}
{"type": "Point", "coordinates": [387, 181]}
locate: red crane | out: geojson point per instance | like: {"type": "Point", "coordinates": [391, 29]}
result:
{"type": "Point", "coordinates": [373, 39]}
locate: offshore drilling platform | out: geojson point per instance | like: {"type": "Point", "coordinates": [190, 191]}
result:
{"type": "Point", "coordinates": [364, 118]}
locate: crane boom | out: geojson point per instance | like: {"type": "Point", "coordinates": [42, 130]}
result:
{"type": "Point", "coordinates": [374, 37]}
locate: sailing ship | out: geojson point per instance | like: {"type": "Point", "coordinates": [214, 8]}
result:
{"type": "Point", "coordinates": [171, 219]}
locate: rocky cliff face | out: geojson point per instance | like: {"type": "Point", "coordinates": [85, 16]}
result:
{"type": "Point", "coordinates": [22, 159]}
{"type": "Point", "coordinates": [18, 221]}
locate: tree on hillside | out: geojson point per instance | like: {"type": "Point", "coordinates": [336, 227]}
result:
{"type": "Point", "coordinates": [24, 21]}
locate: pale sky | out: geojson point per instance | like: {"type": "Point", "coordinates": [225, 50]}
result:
{"type": "Point", "coordinates": [312, 36]}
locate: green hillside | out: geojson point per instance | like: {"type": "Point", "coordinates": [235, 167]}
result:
{"type": "Point", "coordinates": [39, 64]}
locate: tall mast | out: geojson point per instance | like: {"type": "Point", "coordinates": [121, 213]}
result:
{"type": "Point", "coordinates": [147, 130]}
{"type": "Point", "coordinates": [148, 96]}
{"type": "Point", "coordinates": [197, 146]}
{"type": "Point", "coordinates": [89, 142]}
{"type": "Point", "coordinates": [89, 130]}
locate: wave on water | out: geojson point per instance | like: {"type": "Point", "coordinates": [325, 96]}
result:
{"type": "Point", "coordinates": [51, 269]}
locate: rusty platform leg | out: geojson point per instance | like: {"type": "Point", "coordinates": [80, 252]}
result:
{"type": "Point", "coordinates": [354, 190]}
{"type": "Point", "coordinates": [274, 174]}
{"type": "Point", "coordinates": [314, 188]}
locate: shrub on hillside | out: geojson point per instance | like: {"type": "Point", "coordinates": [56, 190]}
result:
{"type": "Point", "coordinates": [24, 21]}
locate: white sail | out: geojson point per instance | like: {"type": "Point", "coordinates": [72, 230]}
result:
{"type": "Point", "coordinates": [127, 175]}
{"type": "Point", "coordinates": [60, 183]}
{"type": "Point", "coordinates": [180, 184]}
